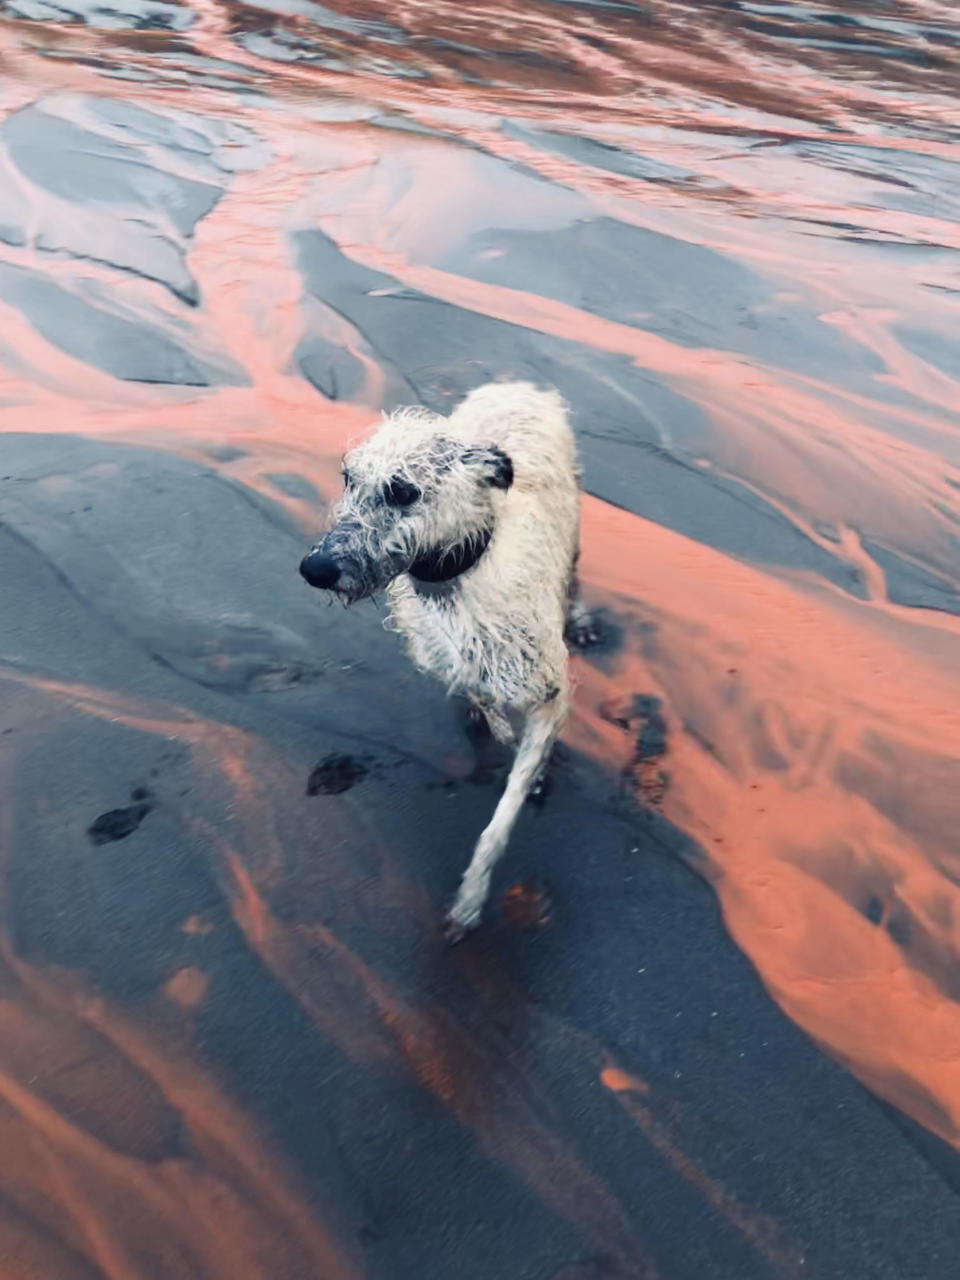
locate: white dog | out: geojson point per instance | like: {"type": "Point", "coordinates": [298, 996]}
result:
{"type": "Point", "coordinates": [471, 523]}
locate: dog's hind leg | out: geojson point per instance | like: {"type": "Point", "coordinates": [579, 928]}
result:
{"type": "Point", "coordinates": [539, 734]}
{"type": "Point", "coordinates": [581, 630]}
{"type": "Point", "coordinates": [485, 716]}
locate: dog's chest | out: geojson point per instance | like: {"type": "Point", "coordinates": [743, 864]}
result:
{"type": "Point", "coordinates": [446, 639]}
{"type": "Point", "coordinates": [469, 653]}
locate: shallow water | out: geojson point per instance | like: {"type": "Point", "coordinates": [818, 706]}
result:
{"type": "Point", "coordinates": [229, 234]}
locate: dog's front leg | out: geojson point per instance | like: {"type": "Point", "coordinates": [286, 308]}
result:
{"type": "Point", "coordinates": [539, 732]}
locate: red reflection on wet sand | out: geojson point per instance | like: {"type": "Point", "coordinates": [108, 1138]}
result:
{"type": "Point", "coordinates": [130, 1161]}
{"type": "Point", "coordinates": [358, 1009]}
{"type": "Point", "coordinates": [810, 736]}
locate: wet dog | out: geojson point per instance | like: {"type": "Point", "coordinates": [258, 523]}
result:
{"type": "Point", "coordinates": [471, 524]}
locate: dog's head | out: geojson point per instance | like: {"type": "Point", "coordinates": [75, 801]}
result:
{"type": "Point", "coordinates": [415, 501]}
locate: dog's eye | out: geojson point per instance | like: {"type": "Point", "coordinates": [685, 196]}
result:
{"type": "Point", "coordinates": [400, 493]}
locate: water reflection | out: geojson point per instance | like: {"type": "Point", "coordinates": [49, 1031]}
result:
{"type": "Point", "coordinates": [728, 233]}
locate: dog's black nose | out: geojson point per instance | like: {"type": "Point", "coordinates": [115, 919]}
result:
{"type": "Point", "coordinates": [320, 570]}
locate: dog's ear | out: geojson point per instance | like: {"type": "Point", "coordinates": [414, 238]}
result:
{"type": "Point", "coordinates": [497, 465]}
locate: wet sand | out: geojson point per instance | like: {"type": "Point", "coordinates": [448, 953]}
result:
{"type": "Point", "coordinates": [711, 1027]}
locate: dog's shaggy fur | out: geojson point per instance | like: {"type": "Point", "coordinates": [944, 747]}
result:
{"type": "Point", "coordinates": [471, 524]}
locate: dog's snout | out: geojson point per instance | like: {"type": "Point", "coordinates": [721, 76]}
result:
{"type": "Point", "coordinates": [320, 570]}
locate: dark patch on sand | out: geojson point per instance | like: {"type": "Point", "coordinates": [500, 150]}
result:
{"type": "Point", "coordinates": [336, 774]}
{"type": "Point", "coordinates": [117, 824]}
{"type": "Point", "coordinates": [652, 730]}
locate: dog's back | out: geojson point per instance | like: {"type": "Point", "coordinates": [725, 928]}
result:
{"type": "Point", "coordinates": [528, 424]}
{"type": "Point", "coordinates": [538, 526]}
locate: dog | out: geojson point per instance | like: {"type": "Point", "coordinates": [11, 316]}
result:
{"type": "Point", "coordinates": [471, 523]}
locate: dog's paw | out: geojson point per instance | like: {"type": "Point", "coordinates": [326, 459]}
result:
{"type": "Point", "coordinates": [584, 631]}
{"type": "Point", "coordinates": [465, 914]}
{"type": "Point", "coordinates": [454, 931]}
{"type": "Point", "coordinates": [456, 927]}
